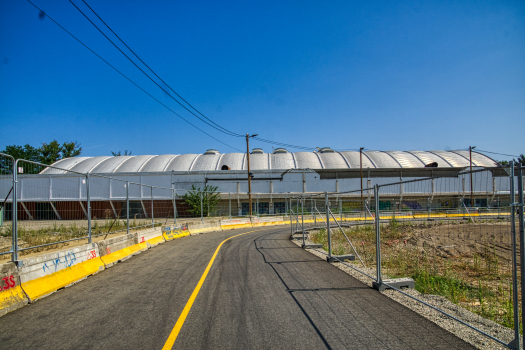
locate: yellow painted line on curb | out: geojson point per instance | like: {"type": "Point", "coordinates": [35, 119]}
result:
{"type": "Point", "coordinates": [175, 331]}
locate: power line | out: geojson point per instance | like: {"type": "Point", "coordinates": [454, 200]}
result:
{"type": "Point", "coordinates": [224, 130]}
{"type": "Point", "coordinates": [151, 70]}
{"type": "Point", "coordinates": [131, 81]}
{"type": "Point", "coordinates": [148, 76]}
{"type": "Point", "coordinates": [501, 154]}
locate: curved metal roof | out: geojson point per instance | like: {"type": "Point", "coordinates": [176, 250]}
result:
{"type": "Point", "coordinates": [269, 161]}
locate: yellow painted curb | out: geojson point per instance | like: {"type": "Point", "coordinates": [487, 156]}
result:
{"type": "Point", "coordinates": [231, 227]}
{"type": "Point", "coordinates": [155, 240]}
{"type": "Point", "coordinates": [174, 234]}
{"type": "Point", "coordinates": [271, 223]}
{"type": "Point", "coordinates": [123, 253]}
{"type": "Point", "coordinates": [11, 297]}
{"type": "Point", "coordinates": [42, 286]}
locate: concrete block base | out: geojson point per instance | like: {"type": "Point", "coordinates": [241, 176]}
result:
{"type": "Point", "coordinates": [306, 246]}
{"type": "Point", "coordinates": [398, 283]}
{"type": "Point", "coordinates": [350, 257]}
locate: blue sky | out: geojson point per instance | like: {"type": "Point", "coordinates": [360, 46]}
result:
{"type": "Point", "coordinates": [407, 75]}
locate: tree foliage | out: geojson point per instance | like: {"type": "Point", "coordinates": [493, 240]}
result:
{"type": "Point", "coordinates": [521, 159]}
{"type": "Point", "coordinates": [118, 154]}
{"type": "Point", "coordinates": [48, 153]}
{"type": "Point", "coordinates": [210, 200]}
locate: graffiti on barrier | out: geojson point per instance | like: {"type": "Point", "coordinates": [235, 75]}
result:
{"type": "Point", "coordinates": [67, 260]}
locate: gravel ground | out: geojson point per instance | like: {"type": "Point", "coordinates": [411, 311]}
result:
{"type": "Point", "coordinates": [464, 332]}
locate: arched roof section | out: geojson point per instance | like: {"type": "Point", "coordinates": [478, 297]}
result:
{"type": "Point", "coordinates": [259, 161]}
{"type": "Point", "coordinates": [88, 164]}
{"type": "Point", "coordinates": [206, 162]}
{"type": "Point", "coordinates": [109, 165]}
{"type": "Point", "coordinates": [133, 164]}
{"type": "Point", "coordinates": [157, 163]}
{"type": "Point", "coordinates": [352, 158]}
{"type": "Point", "coordinates": [406, 159]}
{"type": "Point", "coordinates": [333, 160]}
{"type": "Point", "coordinates": [234, 160]}
{"type": "Point", "coordinates": [382, 159]}
{"type": "Point", "coordinates": [66, 163]}
{"type": "Point", "coordinates": [307, 160]}
{"type": "Point", "coordinates": [282, 161]}
{"type": "Point", "coordinates": [478, 159]}
{"type": "Point", "coordinates": [452, 158]}
{"type": "Point", "coordinates": [181, 163]}
{"type": "Point", "coordinates": [428, 158]}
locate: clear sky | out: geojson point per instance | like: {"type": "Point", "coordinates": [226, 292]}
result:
{"type": "Point", "coordinates": [385, 75]}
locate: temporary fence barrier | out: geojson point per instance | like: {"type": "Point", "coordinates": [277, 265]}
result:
{"type": "Point", "coordinates": [461, 241]}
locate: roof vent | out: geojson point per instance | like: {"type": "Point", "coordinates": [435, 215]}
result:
{"type": "Point", "coordinates": [212, 151]}
{"type": "Point", "coordinates": [326, 150]}
{"type": "Point", "coordinates": [431, 165]}
{"type": "Point", "coordinates": [280, 150]}
{"type": "Point", "coordinates": [257, 151]}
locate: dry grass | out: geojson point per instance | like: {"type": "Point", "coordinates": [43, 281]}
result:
{"type": "Point", "coordinates": [468, 263]}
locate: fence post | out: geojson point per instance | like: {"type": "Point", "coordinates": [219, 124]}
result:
{"type": "Point", "coordinates": [315, 213]}
{"type": "Point", "coordinates": [14, 256]}
{"type": "Point", "coordinates": [202, 210]}
{"type": "Point", "coordinates": [521, 238]}
{"type": "Point", "coordinates": [302, 217]}
{"type": "Point", "coordinates": [127, 207]}
{"type": "Point", "coordinates": [230, 205]}
{"type": "Point", "coordinates": [327, 205]}
{"type": "Point", "coordinates": [378, 234]}
{"type": "Point", "coordinates": [88, 200]}
{"type": "Point", "coordinates": [286, 205]}
{"type": "Point", "coordinates": [152, 218]}
{"type": "Point", "coordinates": [428, 208]}
{"type": "Point", "coordinates": [174, 206]}
{"type": "Point", "coordinates": [340, 209]}
{"type": "Point", "coordinates": [516, 342]}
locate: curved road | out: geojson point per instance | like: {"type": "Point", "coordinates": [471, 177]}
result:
{"type": "Point", "coordinates": [262, 292]}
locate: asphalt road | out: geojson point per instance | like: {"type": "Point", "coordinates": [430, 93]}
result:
{"type": "Point", "coordinates": [262, 292]}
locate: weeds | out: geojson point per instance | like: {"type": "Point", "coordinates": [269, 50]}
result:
{"type": "Point", "coordinates": [476, 277]}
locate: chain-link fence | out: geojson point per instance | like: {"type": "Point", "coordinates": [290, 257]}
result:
{"type": "Point", "coordinates": [453, 239]}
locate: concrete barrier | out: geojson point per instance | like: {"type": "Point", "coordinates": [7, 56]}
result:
{"type": "Point", "coordinates": [197, 227]}
{"type": "Point", "coordinates": [46, 273]}
{"type": "Point", "coordinates": [267, 221]}
{"type": "Point", "coordinates": [12, 296]}
{"type": "Point", "coordinates": [176, 232]}
{"type": "Point", "coordinates": [235, 223]}
{"type": "Point", "coordinates": [120, 248]}
{"type": "Point", "coordinates": [152, 237]}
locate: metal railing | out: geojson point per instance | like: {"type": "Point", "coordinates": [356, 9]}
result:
{"type": "Point", "coordinates": [458, 244]}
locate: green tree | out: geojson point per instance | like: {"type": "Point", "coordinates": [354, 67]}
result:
{"type": "Point", "coordinates": [210, 200]}
{"type": "Point", "coordinates": [118, 154]}
{"type": "Point", "coordinates": [521, 159]}
{"type": "Point", "coordinates": [48, 153]}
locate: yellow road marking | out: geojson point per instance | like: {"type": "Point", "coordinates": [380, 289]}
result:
{"type": "Point", "coordinates": [175, 331]}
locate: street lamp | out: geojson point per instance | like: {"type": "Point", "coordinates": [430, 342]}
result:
{"type": "Point", "coordinates": [249, 174]}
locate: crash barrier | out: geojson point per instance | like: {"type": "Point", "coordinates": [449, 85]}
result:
{"type": "Point", "coordinates": [12, 296]}
{"type": "Point", "coordinates": [44, 274]}
{"type": "Point", "coordinates": [120, 248]}
{"type": "Point", "coordinates": [267, 221]}
{"type": "Point", "coordinates": [170, 233]}
{"type": "Point", "coordinates": [152, 237]}
{"type": "Point", "coordinates": [235, 223]}
{"type": "Point", "coordinates": [197, 227]}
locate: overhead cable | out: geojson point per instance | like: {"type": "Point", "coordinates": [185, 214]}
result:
{"type": "Point", "coordinates": [131, 81]}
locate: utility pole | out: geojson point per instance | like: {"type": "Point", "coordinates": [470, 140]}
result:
{"type": "Point", "coordinates": [361, 167]}
{"type": "Point", "coordinates": [249, 174]}
{"type": "Point", "coordinates": [471, 184]}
